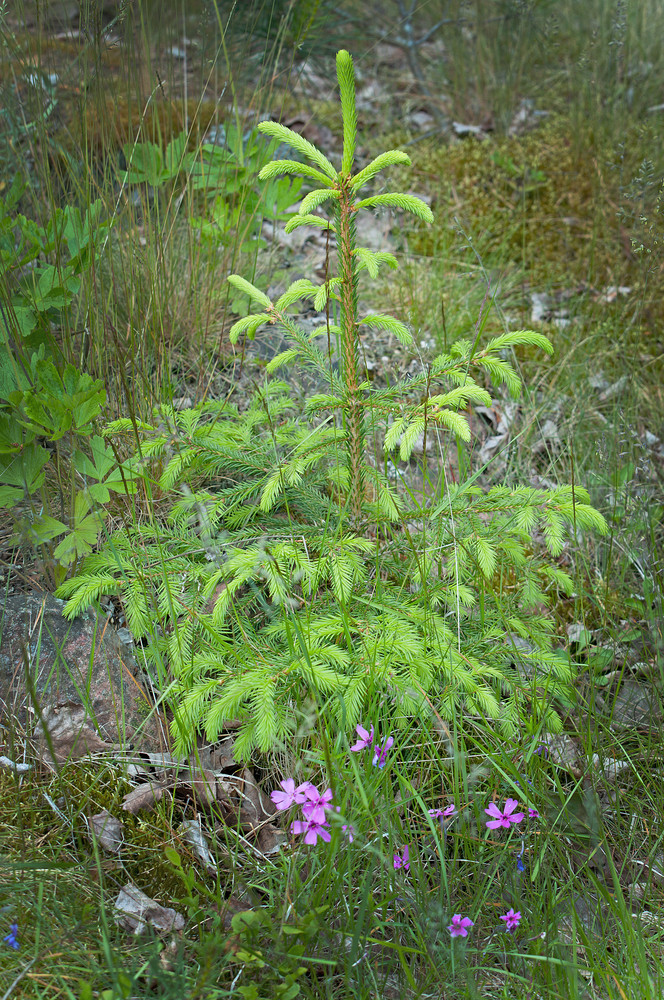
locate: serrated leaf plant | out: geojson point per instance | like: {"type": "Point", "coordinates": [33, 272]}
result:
{"type": "Point", "coordinates": [279, 565]}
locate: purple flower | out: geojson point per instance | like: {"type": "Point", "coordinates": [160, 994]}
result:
{"type": "Point", "coordinates": [519, 863]}
{"type": "Point", "coordinates": [512, 919]}
{"type": "Point", "coordinates": [504, 818]}
{"type": "Point", "coordinates": [290, 795]}
{"type": "Point", "coordinates": [402, 860]}
{"type": "Point", "coordinates": [315, 808]}
{"type": "Point", "coordinates": [349, 831]}
{"type": "Point", "coordinates": [380, 753]}
{"type": "Point", "coordinates": [527, 781]}
{"type": "Point", "coordinates": [460, 925]}
{"type": "Point", "coordinates": [311, 830]}
{"type": "Point", "coordinates": [533, 813]}
{"type": "Point", "coordinates": [542, 750]}
{"type": "Point", "coordinates": [445, 813]}
{"type": "Point", "coordinates": [365, 740]}
{"type": "Point", "coordinates": [11, 939]}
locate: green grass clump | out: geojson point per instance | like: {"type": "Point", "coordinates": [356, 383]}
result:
{"type": "Point", "coordinates": [276, 920]}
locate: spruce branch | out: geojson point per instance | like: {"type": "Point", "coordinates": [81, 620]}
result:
{"type": "Point", "coordinates": [302, 145]}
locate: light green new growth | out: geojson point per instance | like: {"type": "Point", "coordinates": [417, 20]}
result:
{"type": "Point", "coordinates": [389, 159]}
{"type": "Point", "coordinates": [343, 189]}
{"type": "Point", "coordinates": [302, 146]}
{"type": "Point", "coordinates": [346, 77]}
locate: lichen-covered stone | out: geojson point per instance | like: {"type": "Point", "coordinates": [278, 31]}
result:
{"type": "Point", "coordinates": [71, 683]}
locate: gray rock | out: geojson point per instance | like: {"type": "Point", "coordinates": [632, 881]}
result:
{"type": "Point", "coordinates": [72, 682]}
{"type": "Point", "coordinates": [636, 705]}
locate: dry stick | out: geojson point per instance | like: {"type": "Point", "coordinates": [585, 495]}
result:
{"type": "Point", "coordinates": [22, 974]}
{"type": "Point", "coordinates": [410, 45]}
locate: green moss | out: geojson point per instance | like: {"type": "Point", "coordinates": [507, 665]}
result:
{"type": "Point", "coordinates": [29, 826]}
{"type": "Point", "coordinates": [537, 200]}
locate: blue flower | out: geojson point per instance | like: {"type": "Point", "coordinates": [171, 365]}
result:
{"type": "Point", "coordinates": [380, 752]}
{"type": "Point", "coordinates": [11, 938]}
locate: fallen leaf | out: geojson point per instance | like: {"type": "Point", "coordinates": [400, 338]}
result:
{"type": "Point", "coordinates": [255, 806]}
{"type": "Point", "coordinates": [302, 123]}
{"type": "Point", "coordinates": [491, 446]}
{"type": "Point", "coordinates": [227, 797]}
{"type": "Point", "coordinates": [549, 437]}
{"type": "Point", "coordinates": [577, 633]}
{"type": "Point", "coordinates": [231, 906]}
{"type": "Point", "coordinates": [219, 756]}
{"type": "Point", "coordinates": [134, 911]}
{"type": "Point", "coordinates": [106, 829]}
{"type": "Point", "coordinates": [161, 759]}
{"type": "Point", "coordinates": [270, 839]}
{"type": "Point", "coordinates": [203, 787]}
{"type": "Point", "coordinates": [144, 796]}
{"type": "Point", "coordinates": [193, 835]}
{"type": "Point", "coordinates": [69, 734]}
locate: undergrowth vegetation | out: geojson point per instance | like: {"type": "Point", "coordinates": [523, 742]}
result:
{"type": "Point", "coordinates": [408, 566]}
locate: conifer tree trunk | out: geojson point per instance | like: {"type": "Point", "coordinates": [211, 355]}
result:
{"type": "Point", "coordinates": [353, 416]}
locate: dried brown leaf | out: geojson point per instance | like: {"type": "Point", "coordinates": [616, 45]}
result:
{"type": "Point", "coordinates": [134, 911]}
{"type": "Point", "coordinates": [68, 733]}
{"type": "Point", "coordinates": [106, 829]}
{"type": "Point", "coordinates": [255, 807]}
{"type": "Point", "coordinates": [192, 833]}
{"type": "Point", "coordinates": [143, 796]}
{"type": "Point", "coordinates": [203, 787]}
{"type": "Point", "coordinates": [270, 839]}
{"type": "Point", "coordinates": [231, 906]}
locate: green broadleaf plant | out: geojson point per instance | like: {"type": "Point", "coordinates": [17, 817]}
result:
{"type": "Point", "coordinates": [40, 271]}
{"type": "Point", "coordinates": [58, 406]}
{"type": "Point", "coordinates": [223, 177]}
{"type": "Point", "coordinates": [289, 567]}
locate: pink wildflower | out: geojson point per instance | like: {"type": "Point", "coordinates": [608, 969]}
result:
{"type": "Point", "coordinates": [512, 919]}
{"type": "Point", "coordinates": [460, 925]}
{"type": "Point", "coordinates": [311, 830]}
{"type": "Point", "coordinates": [365, 740]}
{"type": "Point", "coordinates": [380, 752]}
{"type": "Point", "coordinates": [315, 808]}
{"type": "Point", "coordinates": [447, 813]}
{"type": "Point", "coordinates": [402, 860]}
{"type": "Point", "coordinates": [504, 817]}
{"type": "Point", "coordinates": [290, 795]}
